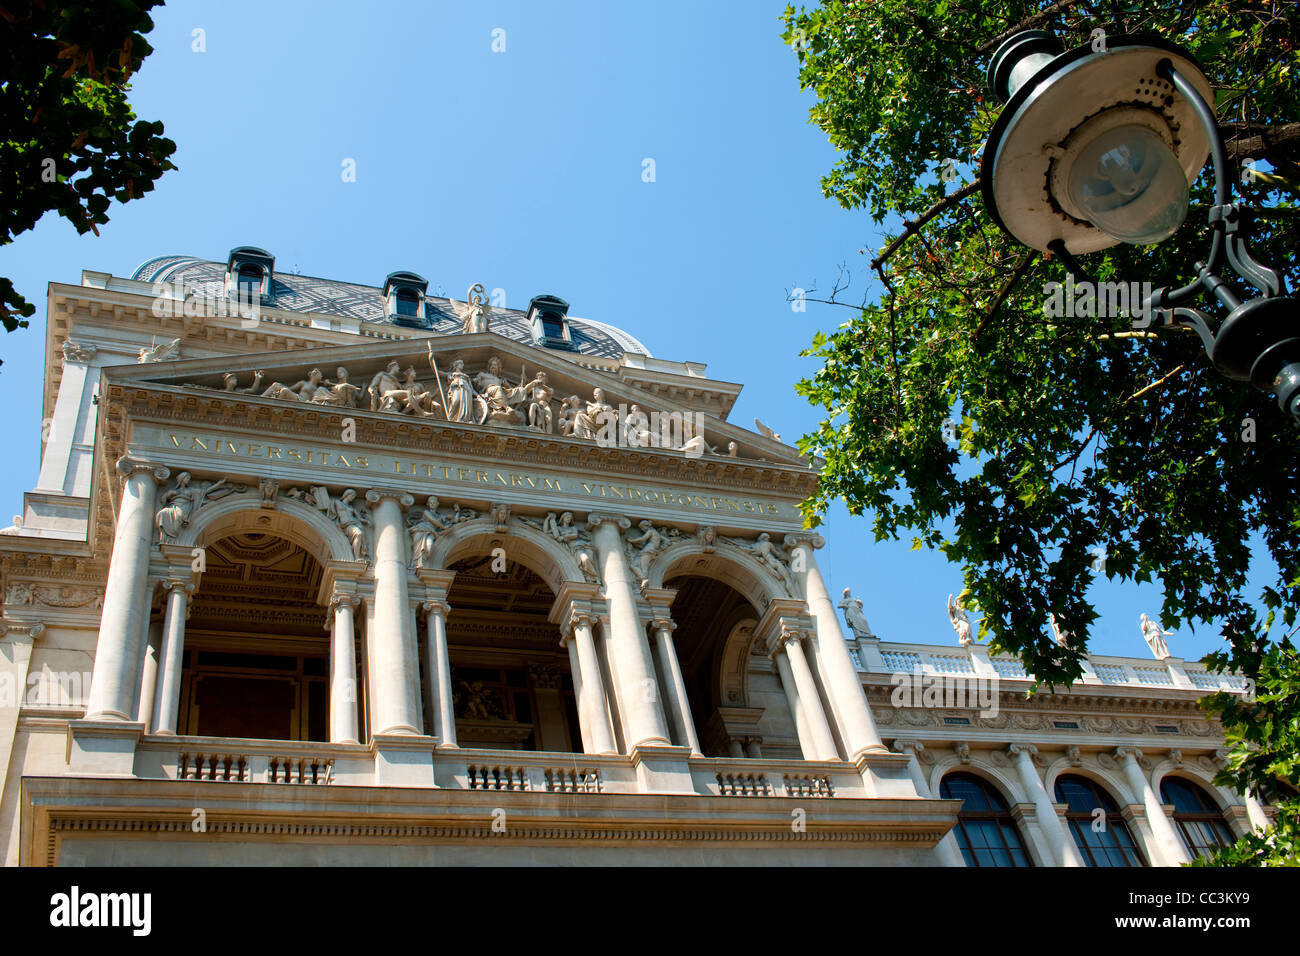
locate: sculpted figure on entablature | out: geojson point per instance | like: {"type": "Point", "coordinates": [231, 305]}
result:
{"type": "Point", "coordinates": [462, 400]}
{"type": "Point", "coordinates": [853, 616]}
{"type": "Point", "coordinates": [303, 391]}
{"type": "Point", "coordinates": [230, 383]}
{"type": "Point", "coordinates": [568, 412]}
{"type": "Point", "coordinates": [474, 316]}
{"type": "Point", "coordinates": [183, 499]}
{"type": "Point", "coordinates": [411, 399]}
{"type": "Point", "coordinates": [163, 352]}
{"type": "Point", "coordinates": [538, 398]}
{"type": "Point", "coordinates": [339, 392]}
{"type": "Point", "coordinates": [592, 420]}
{"type": "Point", "coordinates": [424, 527]}
{"type": "Point", "coordinates": [383, 383]}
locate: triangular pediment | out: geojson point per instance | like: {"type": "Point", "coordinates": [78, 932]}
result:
{"type": "Point", "coordinates": [482, 380]}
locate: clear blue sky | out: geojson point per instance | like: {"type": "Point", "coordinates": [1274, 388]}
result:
{"type": "Point", "coordinates": [523, 170]}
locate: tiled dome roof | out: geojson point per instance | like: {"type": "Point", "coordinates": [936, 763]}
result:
{"type": "Point", "coordinates": [295, 293]}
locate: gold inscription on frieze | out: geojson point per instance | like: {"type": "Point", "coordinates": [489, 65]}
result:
{"type": "Point", "coordinates": [473, 476]}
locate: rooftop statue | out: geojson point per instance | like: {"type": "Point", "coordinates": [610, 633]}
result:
{"type": "Point", "coordinates": [474, 315]}
{"type": "Point", "coordinates": [960, 621]}
{"type": "Point", "coordinates": [853, 616]}
{"type": "Point", "coordinates": [1155, 636]}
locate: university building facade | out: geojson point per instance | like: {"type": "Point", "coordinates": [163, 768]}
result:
{"type": "Point", "coordinates": [323, 573]}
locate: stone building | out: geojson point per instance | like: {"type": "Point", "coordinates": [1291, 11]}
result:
{"type": "Point", "coordinates": [316, 572]}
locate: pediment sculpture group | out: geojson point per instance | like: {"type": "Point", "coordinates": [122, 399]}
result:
{"type": "Point", "coordinates": [484, 398]}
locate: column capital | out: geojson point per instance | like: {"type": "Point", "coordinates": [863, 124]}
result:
{"type": "Point", "coordinates": [179, 584]}
{"type": "Point", "coordinates": [596, 518]}
{"type": "Point", "coordinates": [662, 622]}
{"type": "Point", "coordinates": [808, 538]}
{"type": "Point", "coordinates": [916, 748]}
{"type": "Point", "coordinates": [1124, 754]}
{"type": "Point", "coordinates": [1029, 749]}
{"type": "Point", "coordinates": [441, 608]}
{"type": "Point", "coordinates": [376, 495]}
{"type": "Point", "coordinates": [343, 599]}
{"type": "Point", "coordinates": [127, 467]}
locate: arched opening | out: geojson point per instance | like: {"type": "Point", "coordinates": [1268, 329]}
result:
{"type": "Point", "coordinates": [737, 704]}
{"type": "Point", "coordinates": [1095, 822]}
{"type": "Point", "coordinates": [256, 653]}
{"type": "Point", "coordinates": [1199, 820]}
{"type": "Point", "coordinates": [986, 831]}
{"type": "Point", "coordinates": [510, 678]}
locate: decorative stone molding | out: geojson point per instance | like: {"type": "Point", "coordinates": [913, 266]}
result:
{"type": "Point", "coordinates": [269, 489]}
{"type": "Point", "coordinates": [962, 750]}
{"type": "Point", "coordinates": [34, 629]}
{"type": "Point", "coordinates": [1073, 757]}
{"type": "Point", "coordinates": [72, 352]}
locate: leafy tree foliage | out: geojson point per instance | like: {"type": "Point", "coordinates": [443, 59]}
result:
{"type": "Point", "coordinates": [71, 142]}
{"type": "Point", "coordinates": [1019, 444]}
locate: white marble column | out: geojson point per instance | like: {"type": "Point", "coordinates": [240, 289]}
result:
{"type": "Point", "coordinates": [437, 670]}
{"type": "Point", "coordinates": [114, 683]}
{"type": "Point", "coordinates": [638, 692]}
{"type": "Point", "coordinates": [850, 709]}
{"type": "Point", "coordinates": [1061, 844]}
{"type": "Point", "coordinates": [675, 699]}
{"type": "Point", "coordinates": [948, 850]}
{"type": "Point", "coordinates": [1168, 845]}
{"type": "Point", "coordinates": [344, 727]}
{"type": "Point", "coordinates": [588, 687]}
{"type": "Point", "coordinates": [149, 676]}
{"type": "Point", "coordinates": [167, 710]}
{"type": "Point", "coordinates": [799, 674]}
{"type": "Point", "coordinates": [395, 668]}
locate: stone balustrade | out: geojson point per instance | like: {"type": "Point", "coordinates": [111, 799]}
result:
{"type": "Point", "coordinates": [886, 657]}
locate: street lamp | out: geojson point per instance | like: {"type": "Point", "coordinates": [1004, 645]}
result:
{"type": "Point", "coordinates": [1097, 146]}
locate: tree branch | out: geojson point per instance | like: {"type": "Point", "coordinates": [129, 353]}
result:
{"type": "Point", "coordinates": [1019, 273]}
{"type": "Point", "coordinates": [1026, 24]}
{"type": "Point", "coordinates": [910, 226]}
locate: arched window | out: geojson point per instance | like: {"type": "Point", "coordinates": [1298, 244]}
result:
{"type": "Point", "coordinates": [985, 831]}
{"type": "Point", "coordinates": [1102, 837]}
{"type": "Point", "coordinates": [1198, 819]}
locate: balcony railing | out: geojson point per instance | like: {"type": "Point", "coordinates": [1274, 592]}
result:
{"type": "Point", "coordinates": [881, 657]}
{"type": "Point", "coordinates": [230, 760]}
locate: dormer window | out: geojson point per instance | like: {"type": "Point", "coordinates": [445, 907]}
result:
{"type": "Point", "coordinates": [249, 283]}
{"type": "Point", "coordinates": [408, 304]}
{"type": "Point", "coordinates": [404, 299]}
{"type": "Point", "coordinates": [248, 274]}
{"type": "Point", "coordinates": [548, 316]}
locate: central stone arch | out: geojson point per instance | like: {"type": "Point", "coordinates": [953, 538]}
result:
{"type": "Point", "coordinates": [530, 547]}
{"type": "Point", "coordinates": [303, 525]}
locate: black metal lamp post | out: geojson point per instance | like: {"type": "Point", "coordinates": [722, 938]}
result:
{"type": "Point", "coordinates": [1098, 146]}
